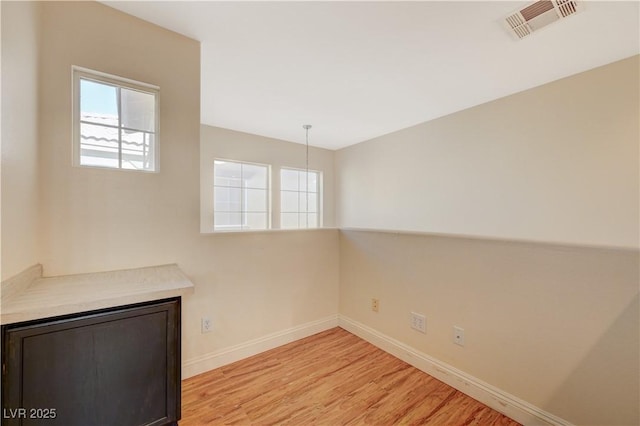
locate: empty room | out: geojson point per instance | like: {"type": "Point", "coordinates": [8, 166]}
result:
{"type": "Point", "coordinates": [321, 213]}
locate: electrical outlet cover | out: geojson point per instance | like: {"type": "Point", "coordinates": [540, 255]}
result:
{"type": "Point", "coordinates": [458, 335]}
{"type": "Point", "coordinates": [418, 322]}
{"type": "Point", "coordinates": [206, 325]}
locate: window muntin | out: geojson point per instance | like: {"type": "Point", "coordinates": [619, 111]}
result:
{"type": "Point", "coordinates": [115, 122]}
{"type": "Point", "coordinates": [299, 198]}
{"type": "Point", "coordinates": [241, 196]}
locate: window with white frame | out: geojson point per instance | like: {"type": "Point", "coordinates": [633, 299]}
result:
{"type": "Point", "coordinates": [241, 196]}
{"type": "Point", "coordinates": [299, 198]}
{"type": "Point", "coordinates": [115, 122]}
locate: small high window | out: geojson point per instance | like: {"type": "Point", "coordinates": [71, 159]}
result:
{"type": "Point", "coordinates": [115, 122]}
{"type": "Point", "coordinates": [299, 198]}
{"type": "Point", "coordinates": [241, 196]}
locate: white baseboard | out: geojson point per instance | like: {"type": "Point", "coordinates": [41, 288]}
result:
{"type": "Point", "coordinates": [203, 363]}
{"type": "Point", "coordinates": [511, 406]}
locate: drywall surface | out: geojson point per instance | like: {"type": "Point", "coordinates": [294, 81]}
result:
{"type": "Point", "coordinates": [557, 163]}
{"type": "Point", "coordinates": [556, 326]}
{"type": "Point", "coordinates": [103, 219]}
{"type": "Point", "coordinates": [253, 284]}
{"type": "Point", "coordinates": [19, 229]}
{"type": "Point", "coordinates": [100, 220]}
{"type": "Point", "coordinates": [232, 145]}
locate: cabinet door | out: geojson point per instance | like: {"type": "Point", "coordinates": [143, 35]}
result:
{"type": "Point", "coordinates": [117, 367]}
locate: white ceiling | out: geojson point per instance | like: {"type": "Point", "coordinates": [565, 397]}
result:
{"type": "Point", "coordinates": [357, 70]}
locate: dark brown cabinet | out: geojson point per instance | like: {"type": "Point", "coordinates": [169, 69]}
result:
{"type": "Point", "coordinates": [112, 367]}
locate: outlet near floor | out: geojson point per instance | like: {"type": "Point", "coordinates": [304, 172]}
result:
{"type": "Point", "coordinates": [418, 322]}
{"type": "Point", "coordinates": [375, 305]}
{"type": "Point", "coordinates": [458, 335]}
{"type": "Point", "coordinates": [206, 325]}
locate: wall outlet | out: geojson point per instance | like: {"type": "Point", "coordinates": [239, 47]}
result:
{"type": "Point", "coordinates": [206, 325]}
{"type": "Point", "coordinates": [458, 335]}
{"type": "Point", "coordinates": [375, 305]}
{"type": "Point", "coordinates": [418, 322]}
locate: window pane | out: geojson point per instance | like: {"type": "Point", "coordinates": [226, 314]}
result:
{"type": "Point", "coordinates": [230, 221]}
{"type": "Point", "coordinates": [137, 150]}
{"type": "Point", "coordinates": [256, 200]}
{"type": "Point", "coordinates": [313, 202]}
{"type": "Point", "coordinates": [130, 113]}
{"type": "Point", "coordinates": [313, 182]}
{"type": "Point", "coordinates": [289, 180]}
{"type": "Point", "coordinates": [98, 103]}
{"type": "Point", "coordinates": [241, 188]}
{"type": "Point", "coordinates": [302, 218]}
{"type": "Point", "coordinates": [256, 221]}
{"type": "Point", "coordinates": [138, 110]}
{"type": "Point", "coordinates": [98, 146]}
{"type": "Point", "coordinates": [227, 173]}
{"type": "Point", "coordinates": [227, 199]}
{"type": "Point", "coordinates": [288, 201]}
{"type": "Point", "coordinates": [303, 201]}
{"type": "Point", "coordinates": [289, 220]}
{"type": "Point", "coordinates": [254, 176]}
{"type": "Point", "coordinates": [303, 180]}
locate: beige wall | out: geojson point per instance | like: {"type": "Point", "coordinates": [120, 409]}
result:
{"type": "Point", "coordinates": [93, 220]}
{"type": "Point", "coordinates": [556, 326]}
{"type": "Point", "coordinates": [96, 219]}
{"type": "Point", "coordinates": [557, 163]}
{"type": "Point", "coordinates": [254, 284]}
{"type": "Point", "coordinates": [232, 145]}
{"type": "Point", "coordinates": [19, 175]}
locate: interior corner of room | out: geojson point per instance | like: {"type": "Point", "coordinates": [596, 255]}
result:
{"type": "Point", "coordinates": [515, 220]}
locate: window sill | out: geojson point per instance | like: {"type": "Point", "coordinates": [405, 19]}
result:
{"type": "Point", "coordinates": [266, 231]}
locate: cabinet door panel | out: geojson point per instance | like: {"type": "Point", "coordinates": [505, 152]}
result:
{"type": "Point", "coordinates": [111, 368]}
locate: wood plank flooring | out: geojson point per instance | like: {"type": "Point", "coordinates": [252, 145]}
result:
{"type": "Point", "coordinates": [331, 378]}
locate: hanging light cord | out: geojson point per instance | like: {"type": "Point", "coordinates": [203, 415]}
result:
{"type": "Point", "coordinates": [306, 127]}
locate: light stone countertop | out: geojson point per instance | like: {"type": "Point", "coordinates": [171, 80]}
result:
{"type": "Point", "coordinates": [30, 296]}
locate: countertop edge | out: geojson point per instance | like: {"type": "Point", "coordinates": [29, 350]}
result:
{"type": "Point", "coordinates": [170, 279]}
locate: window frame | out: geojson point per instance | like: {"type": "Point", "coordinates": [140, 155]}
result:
{"type": "Point", "coordinates": [318, 194]}
{"type": "Point", "coordinates": [269, 212]}
{"type": "Point", "coordinates": [80, 73]}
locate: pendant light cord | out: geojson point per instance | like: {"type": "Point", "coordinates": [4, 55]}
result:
{"type": "Point", "coordinates": [307, 127]}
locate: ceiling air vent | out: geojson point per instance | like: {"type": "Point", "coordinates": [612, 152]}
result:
{"type": "Point", "coordinates": [540, 14]}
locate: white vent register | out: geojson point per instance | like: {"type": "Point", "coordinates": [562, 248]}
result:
{"type": "Point", "coordinates": [540, 14]}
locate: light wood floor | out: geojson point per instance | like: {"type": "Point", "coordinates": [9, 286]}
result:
{"type": "Point", "coordinates": [331, 378]}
